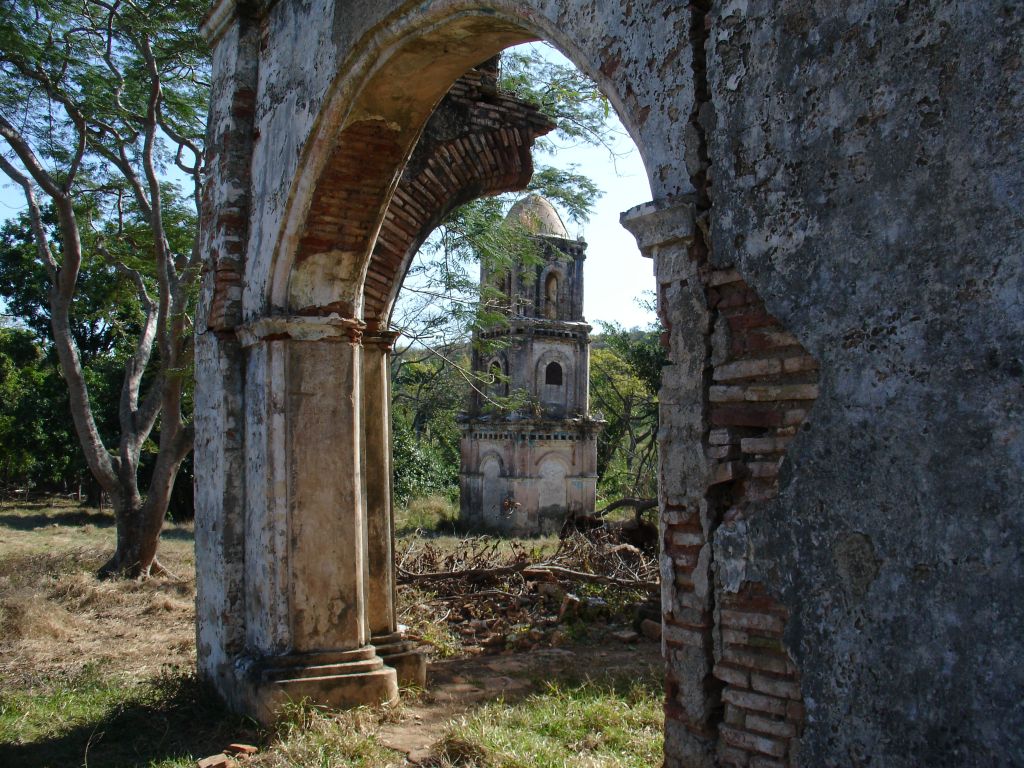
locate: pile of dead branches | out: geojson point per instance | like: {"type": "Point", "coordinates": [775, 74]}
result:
{"type": "Point", "coordinates": [495, 594]}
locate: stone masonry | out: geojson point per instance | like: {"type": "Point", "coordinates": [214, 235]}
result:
{"type": "Point", "coordinates": [836, 235]}
{"type": "Point", "coordinates": [525, 471]}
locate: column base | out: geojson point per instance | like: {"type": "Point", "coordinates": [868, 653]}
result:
{"type": "Point", "coordinates": [407, 658]}
{"type": "Point", "coordinates": [338, 679]}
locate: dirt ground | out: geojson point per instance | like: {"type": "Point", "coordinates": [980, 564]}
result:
{"type": "Point", "coordinates": [456, 685]}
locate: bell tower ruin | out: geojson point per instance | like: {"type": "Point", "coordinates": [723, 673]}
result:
{"type": "Point", "coordinates": [524, 470]}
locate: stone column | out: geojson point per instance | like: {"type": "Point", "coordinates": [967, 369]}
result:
{"type": "Point", "coordinates": [664, 231]}
{"type": "Point", "coordinates": [233, 35]}
{"type": "Point", "coordinates": [405, 656]}
{"type": "Point", "coordinates": [307, 628]}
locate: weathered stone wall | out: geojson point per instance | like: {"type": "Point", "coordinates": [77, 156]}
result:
{"type": "Point", "coordinates": [837, 244]}
{"type": "Point", "coordinates": [867, 182]}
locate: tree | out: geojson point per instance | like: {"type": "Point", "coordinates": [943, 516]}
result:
{"type": "Point", "coordinates": [98, 98]}
{"type": "Point", "coordinates": [625, 375]}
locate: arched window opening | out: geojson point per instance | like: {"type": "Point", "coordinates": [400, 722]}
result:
{"type": "Point", "coordinates": [551, 296]}
{"type": "Point", "coordinates": [553, 374]}
{"type": "Point", "coordinates": [498, 382]}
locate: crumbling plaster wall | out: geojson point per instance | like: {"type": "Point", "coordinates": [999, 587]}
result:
{"type": "Point", "coordinates": [866, 179]}
{"type": "Point", "coordinates": [867, 163]}
{"type": "Point", "coordinates": [299, 93]}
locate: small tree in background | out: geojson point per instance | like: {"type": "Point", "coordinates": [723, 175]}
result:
{"type": "Point", "coordinates": [625, 375]}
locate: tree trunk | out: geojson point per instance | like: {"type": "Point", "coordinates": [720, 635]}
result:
{"type": "Point", "coordinates": [131, 558]}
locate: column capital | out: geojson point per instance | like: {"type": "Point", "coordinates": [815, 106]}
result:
{"type": "Point", "coordinates": [383, 339]}
{"type": "Point", "coordinates": [660, 223]}
{"type": "Point", "coordinates": [223, 13]}
{"type": "Point", "coordinates": [299, 328]}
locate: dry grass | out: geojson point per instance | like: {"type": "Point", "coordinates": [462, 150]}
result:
{"type": "Point", "coordinates": [56, 617]}
{"type": "Point", "coordinates": [98, 673]}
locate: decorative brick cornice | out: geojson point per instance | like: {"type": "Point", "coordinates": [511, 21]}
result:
{"type": "Point", "coordinates": [383, 339]}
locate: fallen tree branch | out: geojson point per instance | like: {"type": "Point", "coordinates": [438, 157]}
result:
{"type": "Point", "coordinates": [639, 506]}
{"type": "Point", "coordinates": [473, 574]}
{"type": "Point", "coordinates": [529, 570]}
{"type": "Point", "coordinates": [592, 578]}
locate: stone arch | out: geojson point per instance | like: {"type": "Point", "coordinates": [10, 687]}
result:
{"type": "Point", "coordinates": [364, 134]}
{"type": "Point", "coordinates": [306, 302]}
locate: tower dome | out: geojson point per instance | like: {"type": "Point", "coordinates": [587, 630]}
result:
{"type": "Point", "coordinates": [537, 216]}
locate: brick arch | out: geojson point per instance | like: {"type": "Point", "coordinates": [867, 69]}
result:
{"type": "Point", "coordinates": [366, 134]}
{"type": "Point", "coordinates": [489, 154]}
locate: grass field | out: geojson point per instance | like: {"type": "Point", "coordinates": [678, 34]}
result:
{"type": "Point", "coordinates": [99, 673]}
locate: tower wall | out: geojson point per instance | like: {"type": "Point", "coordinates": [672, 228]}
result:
{"type": "Point", "coordinates": [524, 471]}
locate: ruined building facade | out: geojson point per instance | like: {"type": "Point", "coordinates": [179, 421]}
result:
{"type": "Point", "coordinates": [524, 470]}
{"type": "Point", "coordinates": [838, 250]}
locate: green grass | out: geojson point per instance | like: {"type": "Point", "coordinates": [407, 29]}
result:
{"type": "Point", "coordinates": [100, 719]}
{"type": "Point", "coordinates": [587, 725]}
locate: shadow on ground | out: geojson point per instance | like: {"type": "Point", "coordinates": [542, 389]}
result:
{"type": "Point", "coordinates": [172, 718]}
{"type": "Point", "coordinates": [22, 522]}
{"type": "Point", "coordinates": [76, 518]}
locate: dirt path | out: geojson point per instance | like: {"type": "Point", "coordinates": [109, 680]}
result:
{"type": "Point", "coordinates": [456, 686]}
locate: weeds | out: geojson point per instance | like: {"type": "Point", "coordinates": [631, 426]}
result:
{"type": "Point", "coordinates": [591, 724]}
{"type": "Point", "coordinates": [310, 736]}
{"type": "Point", "coordinates": [426, 515]}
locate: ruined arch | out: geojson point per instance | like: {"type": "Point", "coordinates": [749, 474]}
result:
{"type": "Point", "coordinates": [308, 309]}
{"type": "Point", "coordinates": [305, 303]}
{"type": "Point", "coordinates": [365, 133]}
{"type": "Point", "coordinates": [728, 101]}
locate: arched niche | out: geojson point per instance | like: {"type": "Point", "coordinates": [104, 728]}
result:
{"type": "Point", "coordinates": [555, 380]}
{"type": "Point", "coordinates": [552, 496]}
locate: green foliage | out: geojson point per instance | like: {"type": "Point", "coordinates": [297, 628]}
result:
{"type": "Point", "coordinates": [595, 723]}
{"type": "Point", "coordinates": [37, 445]}
{"type": "Point", "coordinates": [420, 466]}
{"type": "Point", "coordinates": [625, 375]}
{"type": "Point", "coordinates": [563, 93]}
